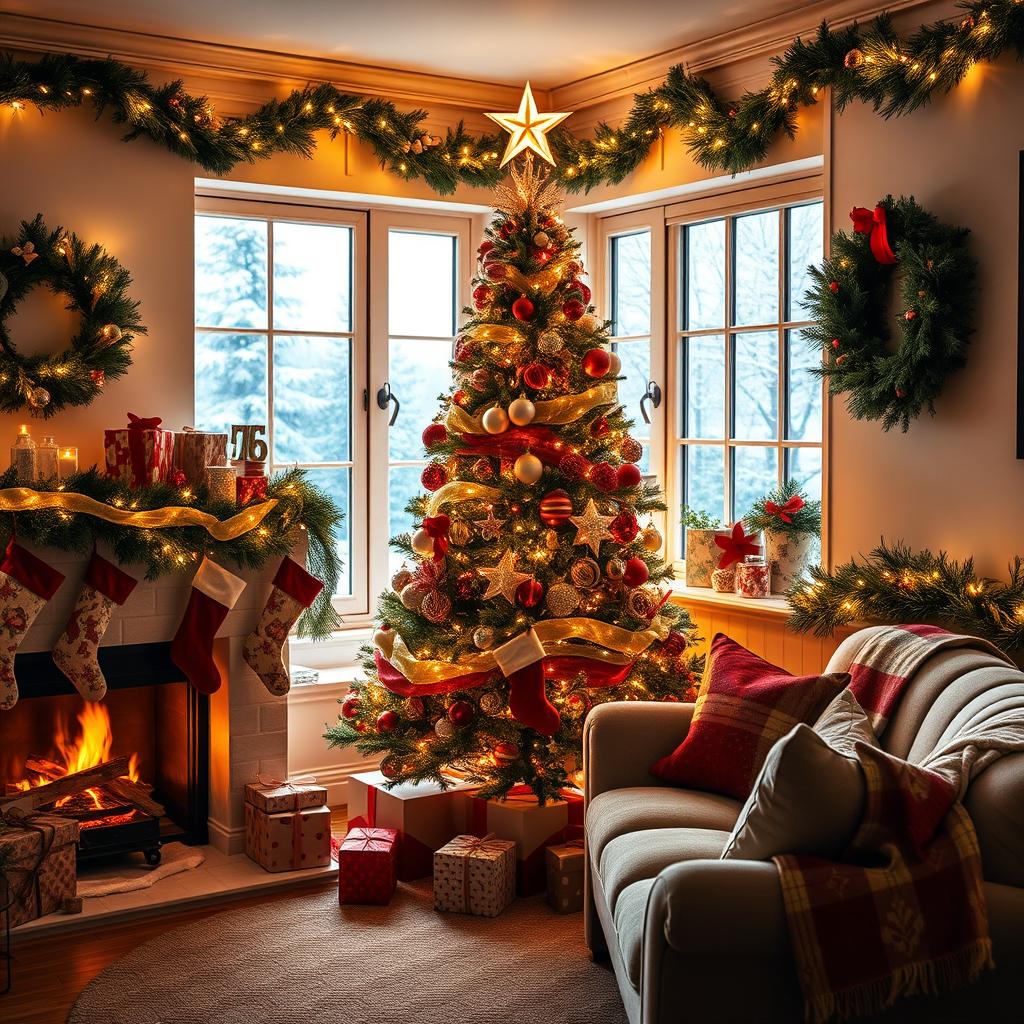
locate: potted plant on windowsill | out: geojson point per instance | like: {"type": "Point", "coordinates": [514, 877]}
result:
{"type": "Point", "coordinates": [791, 525]}
{"type": "Point", "coordinates": [702, 553]}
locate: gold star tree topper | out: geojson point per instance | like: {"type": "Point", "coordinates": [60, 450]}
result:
{"type": "Point", "coordinates": [528, 128]}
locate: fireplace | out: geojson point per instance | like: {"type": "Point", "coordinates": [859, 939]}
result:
{"type": "Point", "coordinates": [150, 716]}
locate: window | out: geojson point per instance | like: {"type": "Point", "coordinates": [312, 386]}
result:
{"type": "Point", "coordinates": [748, 409]}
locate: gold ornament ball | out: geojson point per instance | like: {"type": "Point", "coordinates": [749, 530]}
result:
{"type": "Point", "coordinates": [492, 704]}
{"type": "Point", "coordinates": [495, 420]}
{"type": "Point", "coordinates": [549, 344]}
{"type": "Point", "coordinates": [38, 398]}
{"type": "Point", "coordinates": [444, 729]}
{"type": "Point", "coordinates": [651, 539]}
{"type": "Point", "coordinates": [585, 573]}
{"type": "Point", "coordinates": [483, 637]}
{"type": "Point", "coordinates": [614, 365]}
{"type": "Point", "coordinates": [541, 240]}
{"type": "Point", "coordinates": [615, 569]}
{"type": "Point", "coordinates": [551, 541]}
{"type": "Point", "coordinates": [436, 607]}
{"type": "Point", "coordinates": [521, 411]}
{"type": "Point", "coordinates": [528, 469]}
{"type": "Point", "coordinates": [109, 333]}
{"type": "Point", "coordinates": [401, 580]}
{"type": "Point", "coordinates": [641, 604]}
{"type": "Point", "coordinates": [422, 543]}
{"type": "Point", "coordinates": [562, 599]}
{"type": "Point", "coordinates": [413, 596]}
{"type": "Point", "coordinates": [853, 59]}
{"type": "Point", "coordinates": [460, 533]}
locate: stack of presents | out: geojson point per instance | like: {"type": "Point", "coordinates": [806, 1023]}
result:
{"type": "Point", "coordinates": [481, 853]}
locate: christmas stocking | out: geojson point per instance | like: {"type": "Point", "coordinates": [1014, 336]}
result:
{"type": "Point", "coordinates": [214, 593]}
{"type": "Point", "coordinates": [294, 590]}
{"type": "Point", "coordinates": [26, 584]}
{"type": "Point", "coordinates": [104, 586]}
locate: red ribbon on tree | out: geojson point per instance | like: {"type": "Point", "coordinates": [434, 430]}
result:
{"type": "Point", "coordinates": [736, 546]}
{"type": "Point", "coordinates": [785, 512]}
{"type": "Point", "coordinates": [872, 223]}
{"type": "Point", "coordinates": [437, 527]}
{"type": "Point", "coordinates": [539, 441]}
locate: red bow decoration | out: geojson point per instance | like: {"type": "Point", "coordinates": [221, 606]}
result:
{"type": "Point", "coordinates": [138, 423]}
{"type": "Point", "coordinates": [872, 223]}
{"type": "Point", "coordinates": [539, 441]}
{"type": "Point", "coordinates": [785, 512]}
{"type": "Point", "coordinates": [736, 546]}
{"type": "Point", "coordinates": [437, 527]}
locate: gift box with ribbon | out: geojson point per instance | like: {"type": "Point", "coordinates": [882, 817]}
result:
{"type": "Point", "coordinates": [367, 866]}
{"type": "Point", "coordinates": [424, 815]}
{"type": "Point", "coordinates": [274, 796]}
{"type": "Point", "coordinates": [250, 488]}
{"type": "Point", "coordinates": [194, 450]}
{"type": "Point", "coordinates": [531, 826]}
{"type": "Point", "coordinates": [140, 453]}
{"type": "Point", "coordinates": [475, 875]}
{"type": "Point", "coordinates": [39, 860]}
{"type": "Point", "coordinates": [290, 841]}
{"type": "Point", "coordinates": [565, 876]}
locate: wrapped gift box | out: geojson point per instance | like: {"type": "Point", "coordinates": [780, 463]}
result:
{"type": "Point", "coordinates": [194, 450]}
{"type": "Point", "coordinates": [565, 877]}
{"type": "Point", "coordinates": [367, 866]}
{"type": "Point", "coordinates": [290, 841]}
{"type": "Point", "coordinates": [475, 876]}
{"type": "Point", "coordinates": [41, 869]}
{"type": "Point", "coordinates": [250, 488]}
{"type": "Point", "coordinates": [140, 453]}
{"type": "Point", "coordinates": [532, 827]}
{"type": "Point", "coordinates": [276, 798]}
{"type": "Point", "coordinates": [424, 815]}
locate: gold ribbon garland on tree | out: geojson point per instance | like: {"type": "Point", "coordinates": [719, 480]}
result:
{"type": "Point", "coordinates": [556, 411]}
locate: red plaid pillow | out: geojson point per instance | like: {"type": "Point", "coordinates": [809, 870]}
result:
{"type": "Point", "coordinates": [744, 705]}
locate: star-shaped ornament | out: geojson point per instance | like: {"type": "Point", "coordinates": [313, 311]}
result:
{"type": "Point", "coordinates": [591, 527]}
{"type": "Point", "coordinates": [503, 579]}
{"type": "Point", "coordinates": [528, 128]}
{"type": "Point", "coordinates": [490, 528]}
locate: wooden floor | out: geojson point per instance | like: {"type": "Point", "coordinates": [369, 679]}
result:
{"type": "Point", "coordinates": [49, 973]}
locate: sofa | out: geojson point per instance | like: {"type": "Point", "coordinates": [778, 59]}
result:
{"type": "Point", "coordinates": [691, 937]}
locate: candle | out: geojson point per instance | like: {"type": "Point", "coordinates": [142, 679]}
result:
{"type": "Point", "coordinates": [221, 483]}
{"type": "Point", "coordinates": [23, 456]}
{"type": "Point", "coordinates": [753, 579]}
{"type": "Point", "coordinates": [67, 462]}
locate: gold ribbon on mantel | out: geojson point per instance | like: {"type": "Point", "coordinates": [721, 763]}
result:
{"type": "Point", "coordinates": [556, 411]}
{"type": "Point", "coordinates": [24, 499]}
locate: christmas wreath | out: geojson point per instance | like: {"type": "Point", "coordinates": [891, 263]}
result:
{"type": "Point", "coordinates": [96, 287]}
{"type": "Point", "coordinates": [850, 299]}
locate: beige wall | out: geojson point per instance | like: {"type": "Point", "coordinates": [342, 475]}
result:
{"type": "Point", "coordinates": [951, 482]}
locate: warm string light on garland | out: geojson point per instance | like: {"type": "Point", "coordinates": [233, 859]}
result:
{"type": "Point", "coordinates": [868, 63]}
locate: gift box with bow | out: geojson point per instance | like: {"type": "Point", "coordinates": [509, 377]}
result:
{"type": "Point", "coordinates": [140, 453]}
{"type": "Point", "coordinates": [194, 450]}
{"type": "Point", "coordinates": [367, 866]}
{"type": "Point", "coordinates": [274, 796]}
{"type": "Point", "coordinates": [40, 866]}
{"type": "Point", "coordinates": [475, 875]}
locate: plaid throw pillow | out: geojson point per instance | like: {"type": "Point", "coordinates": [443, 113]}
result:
{"type": "Point", "coordinates": [744, 705]}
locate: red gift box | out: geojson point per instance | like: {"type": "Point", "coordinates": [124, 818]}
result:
{"type": "Point", "coordinates": [250, 488]}
{"type": "Point", "coordinates": [368, 866]}
{"type": "Point", "coordinates": [141, 453]}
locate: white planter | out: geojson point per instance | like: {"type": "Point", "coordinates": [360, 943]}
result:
{"type": "Point", "coordinates": [788, 556]}
{"type": "Point", "coordinates": [702, 555]}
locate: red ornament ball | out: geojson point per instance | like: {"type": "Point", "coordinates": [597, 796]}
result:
{"type": "Point", "coordinates": [555, 508]}
{"type": "Point", "coordinates": [434, 476]}
{"type": "Point", "coordinates": [434, 434]}
{"type": "Point", "coordinates": [522, 308]}
{"type": "Point", "coordinates": [350, 706]}
{"type": "Point", "coordinates": [599, 428]}
{"type": "Point", "coordinates": [630, 449]}
{"type": "Point", "coordinates": [482, 469]}
{"type": "Point", "coordinates": [529, 593]}
{"type": "Point", "coordinates": [464, 348]}
{"type": "Point", "coordinates": [573, 466]}
{"type": "Point", "coordinates": [596, 362]}
{"type": "Point", "coordinates": [460, 713]}
{"type": "Point", "coordinates": [604, 477]}
{"type": "Point", "coordinates": [536, 376]}
{"type": "Point", "coordinates": [465, 585]}
{"type": "Point", "coordinates": [900, 393]}
{"type": "Point", "coordinates": [629, 475]}
{"type": "Point", "coordinates": [835, 343]}
{"type": "Point", "coordinates": [495, 271]}
{"type": "Point", "coordinates": [505, 753]}
{"type": "Point", "coordinates": [675, 643]}
{"type": "Point", "coordinates": [573, 309]}
{"type": "Point", "coordinates": [507, 229]}
{"type": "Point", "coordinates": [387, 721]}
{"type": "Point", "coordinates": [584, 290]}
{"type": "Point", "coordinates": [390, 768]}
{"type": "Point", "coordinates": [178, 478]}
{"type": "Point", "coordinates": [484, 248]}
{"type": "Point", "coordinates": [910, 314]}
{"type": "Point", "coordinates": [460, 396]}
{"type": "Point", "coordinates": [480, 379]}
{"type": "Point", "coordinates": [636, 573]}
{"type": "Point", "coordinates": [481, 296]}
{"type": "Point", "coordinates": [624, 528]}
{"type": "Point", "coordinates": [833, 286]}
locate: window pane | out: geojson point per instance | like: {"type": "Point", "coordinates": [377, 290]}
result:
{"type": "Point", "coordinates": [312, 277]}
{"type": "Point", "coordinates": [757, 268]}
{"type": "Point", "coordinates": [631, 274]}
{"type": "Point", "coordinates": [421, 284]}
{"type": "Point", "coordinates": [403, 485]}
{"type": "Point", "coordinates": [805, 389]}
{"type": "Point", "coordinates": [231, 380]}
{"type": "Point", "coordinates": [705, 276]}
{"type": "Point", "coordinates": [337, 483]}
{"type": "Point", "coordinates": [636, 368]}
{"type": "Point", "coordinates": [805, 248]}
{"type": "Point", "coordinates": [312, 399]}
{"type": "Point", "coordinates": [804, 466]}
{"type": "Point", "coordinates": [645, 459]}
{"type": "Point", "coordinates": [705, 386]}
{"type": "Point", "coordinates": [756, 386]}
{"type": "Point", "coordinates": [418, 372]}
{"type": "Point", "coordinates": [704, 472]}
{"type": "Point", "coordinates": [231, 272]}
{"type": "Point", "coordinates": [755, 472]}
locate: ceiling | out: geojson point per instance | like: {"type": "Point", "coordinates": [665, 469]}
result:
{"type": "Point", "coordinates": [547, 42]}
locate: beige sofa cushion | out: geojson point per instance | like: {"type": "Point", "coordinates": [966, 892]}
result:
{"type": "Point", "coordinates": [630, 910]}
{"type": "Point", "coordinates": [809, 795]}
{"type": "Point", "coordinates": [636, 808]}
{"type": "Point", "coordinates": [995, 802]}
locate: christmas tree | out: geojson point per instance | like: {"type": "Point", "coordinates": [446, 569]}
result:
{"type": "Point", "coordinates": [534, 593]}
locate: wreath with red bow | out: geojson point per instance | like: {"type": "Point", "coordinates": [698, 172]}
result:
{"type": "Point", "coordinates": [892, 379]}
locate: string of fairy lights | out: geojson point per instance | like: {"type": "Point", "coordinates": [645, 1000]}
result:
{"type": "Point", "coordinates": [870, 63]}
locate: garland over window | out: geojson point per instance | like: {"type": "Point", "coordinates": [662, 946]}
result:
{"type": "Point", "coordinates": [872, 64]}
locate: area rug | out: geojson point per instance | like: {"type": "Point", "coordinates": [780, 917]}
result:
{"type": "Point", "coordinates": [305, 960]}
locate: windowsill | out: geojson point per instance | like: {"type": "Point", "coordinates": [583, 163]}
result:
{"type": "Point", "coordinates": [776, 606]}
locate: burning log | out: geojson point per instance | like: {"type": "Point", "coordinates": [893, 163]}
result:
{"type": "Point", "coordinates": [68, 785]}
{"type": "Point", "coordinates": [136, 794]}
{"type": "Point", "coordinates": [124, 792]}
